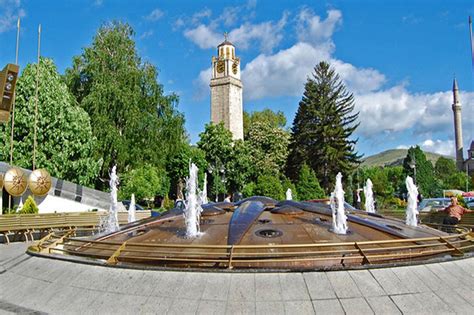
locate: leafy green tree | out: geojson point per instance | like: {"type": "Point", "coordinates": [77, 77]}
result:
{"type": "Point", "coordinates": [216, 143]}
{"type": "Point", "coordinates": [307, 185]}
{"type": "Point", "coordinates": [322, 128]}
{"type": "Point", "coordinates": [249, 189]}
{"type": "Point", "coordinates": [268, 148]}
{"type": "Point", "coordinates": [178, 166]}
{"type": "Point", "coordinates": [134, 121]}
{"type": "Point", "coordinates": [145, 182]}
{"type": "Point", "coordinates": [269, 186]}
{"type": "Point", "coordinates": [65, 143]}
{"type": "Point", "coordinates": [274, 119]}
{"type": "Point", "coordinates": [382, 186]}
{"type": "Point", "coordinates": [240, 167]}
{"type": "Point", "coordinates": [426, 181]}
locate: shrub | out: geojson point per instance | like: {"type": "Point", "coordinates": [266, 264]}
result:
{"type": "Point", "coordinates": [29, 206]}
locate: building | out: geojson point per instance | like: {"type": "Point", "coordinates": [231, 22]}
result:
{"type": "Point", "coordinates": [468, 164]}
{"type": "Point", "coordinates": [226, 90]}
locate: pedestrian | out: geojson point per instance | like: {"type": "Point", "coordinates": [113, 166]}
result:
{"type": "Point", "coordinates": [454, 213]}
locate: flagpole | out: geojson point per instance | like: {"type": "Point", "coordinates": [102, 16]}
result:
{"type": "Point", "coordinates": [472, 43]}
{"type": "Point", "coordinates": [13, 104]}
{"type": "Point", "coordinates": [36, 97]}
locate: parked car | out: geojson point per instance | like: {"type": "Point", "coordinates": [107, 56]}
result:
{"type": "Point", "coordinates": [433, 204]}
{"type": "Point", "coordinates": [126, 204]}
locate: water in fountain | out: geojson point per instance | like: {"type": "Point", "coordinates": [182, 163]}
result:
{"type": "Point", "coordinates": [112, 224]}
{"type": "Point", "coordinates": [20, 204]}
{"type": "Point", "coordinates": [192, 212]}
{"type": "Point", "coordinates": [289, 195]}
{"type": "Point", "coordinates": [203, 192]}
{"type": "Point", "coordinates": [412, 210]}
{"type": "Point", "coordinates": [131, 210]}
{"type": "Point", "coordinates": [369, 197]}
{"type": "Point", "coordinates": [339, 219]}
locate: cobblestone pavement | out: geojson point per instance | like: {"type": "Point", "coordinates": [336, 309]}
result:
{"type": "Point", "coordinates": [32, 285]}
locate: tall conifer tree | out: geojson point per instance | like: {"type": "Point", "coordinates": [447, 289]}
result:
{"type": "Point", "coordinates": [322, 128]}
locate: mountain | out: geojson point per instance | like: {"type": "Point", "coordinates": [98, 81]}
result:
{"type": "Point", "coordinates": [395, 157]}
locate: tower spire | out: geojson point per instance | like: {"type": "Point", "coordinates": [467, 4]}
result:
{"type": "Point", "coordinates": [457, 126]}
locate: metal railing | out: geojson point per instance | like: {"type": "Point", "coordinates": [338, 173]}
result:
{"type": "Point", "coordinates": [229, 256]}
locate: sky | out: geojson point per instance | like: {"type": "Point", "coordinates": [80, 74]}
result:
{"type": "Point", "coordinates": [398, 58]}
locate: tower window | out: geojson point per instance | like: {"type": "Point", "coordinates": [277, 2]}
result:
{"type": "Point", "coordinates": [227, 52]}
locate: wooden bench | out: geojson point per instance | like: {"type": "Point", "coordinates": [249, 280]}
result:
{"type": "Point", "coordinates": [27, 224]}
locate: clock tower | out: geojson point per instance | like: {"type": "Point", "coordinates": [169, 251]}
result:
{"type": "Point", "coordinates": [226, 90]}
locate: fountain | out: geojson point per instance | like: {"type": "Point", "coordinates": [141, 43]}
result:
{"type": "Point", "coordinates": [411, 211]}
{"type": "Point", "coordinates": [260, 233]}
{"type": "Point", "coordinates": [369, 197]}
{"type": "Point", "coordinates": [203, 192]}
{"type": "Point", "coordinates": [131, 210]}
{"type": "Point", "coordinates": [289, 195]}
{"type": "Point", "coordinates": [112, 224]}
{"type": "Point", "coordinates": [339, 218]}
{"type": "Point", "coordinates": [192, 212]}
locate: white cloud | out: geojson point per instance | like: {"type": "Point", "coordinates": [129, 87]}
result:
{"type": "Point", "coordinates": [266, 35]}
{"type": "Point", "coordinates": [155, 15]}
{"type": "Point", "coordinates": [312, 30]}
{"type": "Point", "coordinates": [396, 109]}
{"type": "Point", "coordinates": [146, 34]}
{"type": "Point", "coordinates": [283, 73]}
{"type": "Point", "coordinates": [198, 16]}
{"type": "Point", "coordinates": [444, 147]}
{"type": "Point", "coordinates": [203, 36]}
{"type": "Point", "coordinates": [10, 10]}
{"type": "Point", "coordinates": [386, 112]}
{"type": "Point", "coordinates": [98, 3]}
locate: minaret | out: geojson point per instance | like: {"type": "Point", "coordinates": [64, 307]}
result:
{"type": "Point", "coordinates": [226, 90]}
{"type": "Point", "coordinates": [457, 126]}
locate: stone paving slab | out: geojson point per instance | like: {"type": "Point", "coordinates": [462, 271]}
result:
{"type": "Point", "coordinates": [36, 285]}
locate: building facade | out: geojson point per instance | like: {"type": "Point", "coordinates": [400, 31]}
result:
{"type": "Point", "coordinates": [226, 90]}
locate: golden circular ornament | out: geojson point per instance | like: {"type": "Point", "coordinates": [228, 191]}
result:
{"type": "Point", "coordinates": [15, 182]}
{"type": "Point", "coordinates": [39, 182]}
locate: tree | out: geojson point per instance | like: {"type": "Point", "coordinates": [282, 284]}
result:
{"type": "Point", "coordinates": [307, 185]}
{"type": "Point", "coordinates": [216, 143]}
{"type": "Point", "coordinates": [65, 143]}
{"type": "Point", "coordinates": [268, 148]}
{"type": "Point", "coordinates": [274, 119]}
{"type": "Point", "coordinates": [145, 182]}
{"type": "Point", "coordinates": [425, 179]}
{"type": "Point", "coordinates": [134, 122]}
{"type": "Point", "coordinates": [322, 128]}
{"type": "Point", "coordinates": [269, 186]}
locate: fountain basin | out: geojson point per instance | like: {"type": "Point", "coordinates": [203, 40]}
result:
{"type": "Point", "coordinates": [252, 235]}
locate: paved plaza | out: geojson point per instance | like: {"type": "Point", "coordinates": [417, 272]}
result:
{"type": "Point", "coordinates": [39, 285]}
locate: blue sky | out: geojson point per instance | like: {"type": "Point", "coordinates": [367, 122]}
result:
{"type": "Point", "coordinates": [397, 57]}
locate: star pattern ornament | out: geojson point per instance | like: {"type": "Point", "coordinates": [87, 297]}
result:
{"type": "Point", "coordinates": [39, 182]}
{"type": "Point", "coordinates": [15, 182]}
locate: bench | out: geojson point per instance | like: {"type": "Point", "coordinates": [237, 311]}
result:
{"type": "Point", "coordinates": [27, 224]}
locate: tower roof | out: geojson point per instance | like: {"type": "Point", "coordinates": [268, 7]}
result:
{"type": "Point", "coordinates": [455, 85]}
{"type": "Point", "coordinates": [226, 42]}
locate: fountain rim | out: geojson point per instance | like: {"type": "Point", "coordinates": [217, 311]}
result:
{"type": "Point", "coordinates": [449, 254]}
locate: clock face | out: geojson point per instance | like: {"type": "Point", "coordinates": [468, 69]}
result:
{"type": "Point", "coordinates": [235, 67]}
{"type": "Point", "coordinates": [220, 66]}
